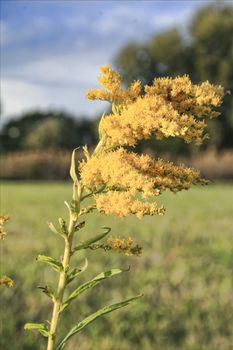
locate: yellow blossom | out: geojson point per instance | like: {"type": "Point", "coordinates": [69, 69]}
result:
{"type": "Point", "coordinates": [122, 245]}
{"type": "Point", "coordinates": [185, 97]}
{"type": "Point", "coordinates": [127, 171]}
{"type": "Point", "coordinates": [122, 204]}
{"type": "Point", "coordinates": [151, 116]}
{"type": "Point", "coordinates": [3, 220]}
{"type": "Point", "coordinates": [170, 107]}
{"type": "Point", "coordinates": [112, 91]}
{"type": "Point", "coordinates": [7, 281]}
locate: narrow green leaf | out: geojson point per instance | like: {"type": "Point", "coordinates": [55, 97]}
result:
{"type": "Point", "coordinates": [56, 265]}
{"type": "Point", "coordinates": [47, 290]}
{"type": "Point", "coordinates": [72, 167]}
{"type": "Point", "coordinates": [100, 126]}
{"type": "Point", "coordinates": [40, 327]}
{"type": "Point", "coordinates": [86, 152]}
{"type": "Point", "coordinates": [90, 241]}
{"type": "Point", "coordinates": [34, 326]}
{"type": "Point", "coordinates": [52, 228]}
{"type": "Point", "coordinates": [90, 284]}
{"type": "Point", "coordinates": [75, 272]}
{"type": "Point", "coordinates": [63, 227]}
{"type": "Point", "coordinates": [79, 326]}
{"type": "Point", "coordinates": [44, 333]}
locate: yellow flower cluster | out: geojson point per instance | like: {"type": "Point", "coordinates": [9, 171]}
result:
{"type": "Point", "coordinates": [112, 92]}
{"type": "Point", "coordinates": [122, 204]}
{"type": "Point", "coordinates": [186, 97]}
{"type": "Point", "coordinates": [7, 281]}
{"type": "Point", "coordinates": [122, 245]}
{"type": "Point", "coordinates": [170, 107]}
{"type": "Point", "coordinates": [127, 171]}
{"type": "Point", "coordinates": [121, 180]}
{"type": "Point", "coordinates": [3, 220]}
{"type": "Point", "coordinates": [149, 116]}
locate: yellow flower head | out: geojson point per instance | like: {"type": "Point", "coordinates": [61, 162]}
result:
{"type": "Point", "coordinates": [170, 107]}
{"type": "Point", "coordinates": [122, 204]}
{"type": "Point", "coordinates": [153, 115]}
{"type": "Point", "coordinates": [193, 99]}
{"type": "Point", "coordinates": [3, 220]}
{"type": "Point", "coordinates": [112, 92]}
{"type": "Point", "coordinates": [127, 171]}
{"type": "Point", "coordinates": [7, 281]}
{"type": "Point", "coordinates": [123, 174]}
{"type": "Point", "coordinates": [122, 245]}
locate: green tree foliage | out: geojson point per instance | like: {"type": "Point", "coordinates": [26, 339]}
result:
{"type": "Point", "coordinates": [205, 52]}
{"type": "Point", "coordinates": [164, 54]}
{"type": "Point", "coordinates": [212, 33]}
{"type": "Point", "coordinates": [43, 130]}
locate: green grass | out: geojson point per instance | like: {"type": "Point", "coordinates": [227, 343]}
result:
{"type": "Point", "coordinates": [185, 272]}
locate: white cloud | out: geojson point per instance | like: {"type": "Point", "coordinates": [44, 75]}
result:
{"type": "Point", "coordinates": [131, 20]}
{"type": "Point", "coordinates": [53, 81]}
{"type": "Point", "coordinates": [19, 96]}
{"type": "Point", "coordinates": [79, 69]}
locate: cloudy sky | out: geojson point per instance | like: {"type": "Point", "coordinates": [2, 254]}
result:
{"type": "Point", "coordinates": [51, 50]}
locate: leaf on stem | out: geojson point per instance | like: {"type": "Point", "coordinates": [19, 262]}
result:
{"type": "Point", "coordinates": [63, 226]}
{"type": "Point", "coordinates": [72, 167]}
{"type": "Point", "coordinates": [56, 265]}
{"type": "Point", "coordinates": [52, 227]}
{"type": "Point", "coordinates": [90, 284]}
{"type": "Point", "coordinates": [79, 225]}
{"type": "Point", "coordinates": [47, 290]}
{"type": "Point", "coordinates": [86, 152]}
{"type": "Point", "coordinates": [79, 326]}
{"type": "Point", "coordinates": [75, 272]}
{"type": "Point", "coordinates": [90, 241]}
{"type": "Point", "coordinates": [40, 327]}
{"type": "Point", "coordinates": [100, 127]}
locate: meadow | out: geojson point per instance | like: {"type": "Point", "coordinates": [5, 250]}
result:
{"type": "Point", "coordinates": [185, 272]}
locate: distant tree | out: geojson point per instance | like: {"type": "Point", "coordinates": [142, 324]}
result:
{"type": "Point", "coordinates": [135, 62]}
{"type": "Point", "coordinates": [212, 40]}
{"type": "Point", "coordinates": [50, 133]}
{"type": "Point", "coordinates": [204, 52]}
{"type": "Point", "coordinates": [164, 54]}
{"type": "Point", "coordinates": [51, 129]}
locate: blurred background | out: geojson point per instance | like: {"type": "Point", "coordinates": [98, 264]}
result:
{"type": "Point", "coordinates": [51, 52]}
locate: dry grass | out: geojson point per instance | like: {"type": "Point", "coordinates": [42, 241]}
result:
{"type": "Point", "coordinates": [54, 165]}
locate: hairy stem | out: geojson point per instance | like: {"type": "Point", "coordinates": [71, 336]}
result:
{"type": "Point", "coordinates": [61, 286]}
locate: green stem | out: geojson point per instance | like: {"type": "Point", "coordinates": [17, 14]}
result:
{"type": "Point", "coordinates": [77, 197]}
{"type": "Point", "coordinates": [61, 285]}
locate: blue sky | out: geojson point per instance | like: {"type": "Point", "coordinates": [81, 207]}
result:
{"type": "Point", "coordinates": [51, 50]}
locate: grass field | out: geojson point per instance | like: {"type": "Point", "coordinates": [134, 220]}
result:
{"type": "Point", "coordinates": [185, 272]}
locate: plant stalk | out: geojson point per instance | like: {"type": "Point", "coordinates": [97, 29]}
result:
{"type": "Point", "coordinates": [61, 285]}
{"type": "Point", "coordinates": [77, 197]}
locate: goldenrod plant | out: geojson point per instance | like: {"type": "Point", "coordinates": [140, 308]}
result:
{"type": "Point", "coordinates": [113, 179]}
{"type": "Point", "coordinates": [4, 280]}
